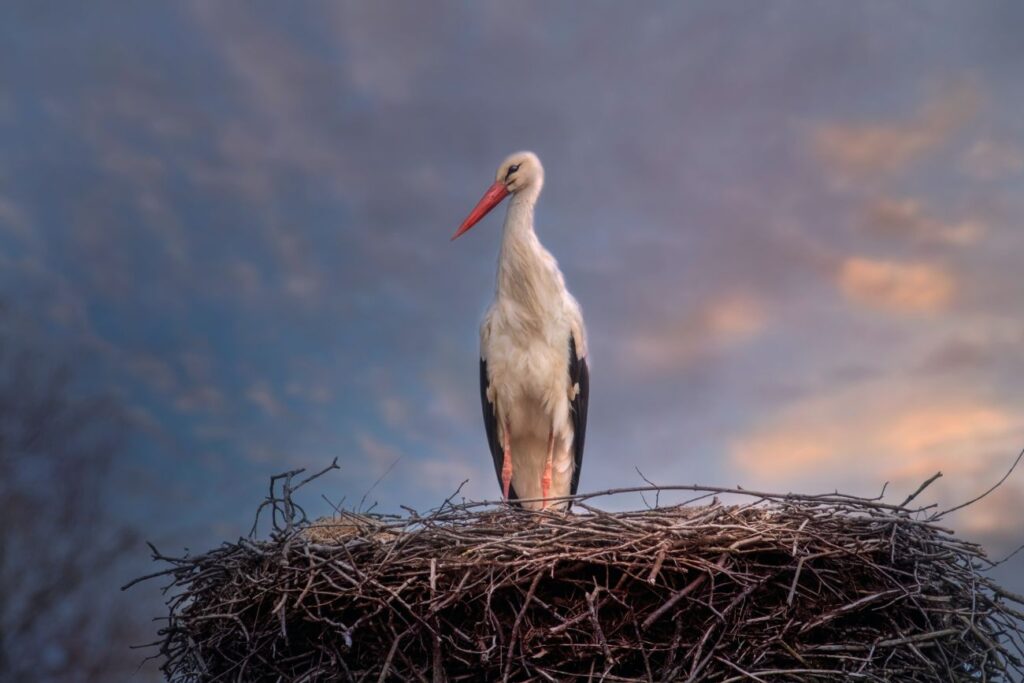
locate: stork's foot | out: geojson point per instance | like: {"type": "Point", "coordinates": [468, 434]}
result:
{"type": "Point", "coordinates": [545, 481]}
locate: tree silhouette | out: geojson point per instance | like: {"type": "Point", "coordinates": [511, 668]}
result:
{"type": "Point", "coordinates": [60, 618]}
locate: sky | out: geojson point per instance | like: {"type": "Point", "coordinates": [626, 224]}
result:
{"type": "Point", "coordinates": [795, 231]}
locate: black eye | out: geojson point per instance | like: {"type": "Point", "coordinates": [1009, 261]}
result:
{"type": "Point", "coordinates": [511, 169]}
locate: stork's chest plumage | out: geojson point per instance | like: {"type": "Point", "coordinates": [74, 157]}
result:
{"type": "Point", "coordinates": [527, 360]}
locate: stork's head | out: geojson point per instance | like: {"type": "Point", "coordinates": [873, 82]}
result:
{"type": "Point", "coordinates": [520, 173]}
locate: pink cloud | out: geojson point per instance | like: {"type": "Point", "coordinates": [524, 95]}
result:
{"type": "Point", "coordinates": [860, 149]}
{"type": "Point", "coordinates": [721, 323]}
{"type": "Point", "coordinates": [895, 287]}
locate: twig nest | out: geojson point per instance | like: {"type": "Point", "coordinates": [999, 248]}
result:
{"type": "Point", "coordinates": [786, 588]}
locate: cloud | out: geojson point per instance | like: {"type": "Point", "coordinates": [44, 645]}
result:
{"type": "Point", "coordinates": [895, 287]}
{"type": "Point", "coordinates": [386, 51]}
{"type": "Point", "coordinates": [995, 515]}
{"type": "Point", "coordinates": [926, 435]}
{"type": "Point", "coordinates": [881, 432]}
{"type": "Point", "coordinates": [448, 403]}
{"type": "Point", "coordinates": [988, 160]}
{"type": "Point", "coordinates": [394, 411]}
{"type": "Point", "coordinates": [721, 323]}
{"type": "Point", "coordinates": [297, 261]}
{"type": "Point", "coordinates": [380, 454]}
{"type": "Point", "coordinates": [200, 398]}
{"type": "Point", "coordinates": [907, 219]}
{"type": "Point", "coordinates": [859, 149]}
{"type": "Point", "coordinates": [263, 396]}
{"type": "Point", "coordinates": [442, 476]}
{"type": "Point", "coordinates": [436, 476]}
{"type": "Point", "coordinates": [778, 453]}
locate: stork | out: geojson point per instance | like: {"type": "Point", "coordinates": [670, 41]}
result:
{"type": "Point", "coordinates": [534, 379]}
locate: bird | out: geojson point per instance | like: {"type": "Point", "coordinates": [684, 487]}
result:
{"type": "Point", "coordinates": [534, 372]}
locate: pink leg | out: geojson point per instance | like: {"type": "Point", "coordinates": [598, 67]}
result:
{"type": "Point", "coordinates": [506, 465]}
{"type": "Point", "coordinates": [545, 481]}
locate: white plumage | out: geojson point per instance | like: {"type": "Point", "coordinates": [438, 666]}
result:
{"type": "Point", "coordinates": [530, 379]}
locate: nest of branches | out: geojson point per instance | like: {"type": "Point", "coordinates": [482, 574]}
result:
{"type": "Point", "coordinates": [781, 587]}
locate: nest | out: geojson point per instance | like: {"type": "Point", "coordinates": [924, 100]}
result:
{"type": "Point", "coordinates": [782, 587]}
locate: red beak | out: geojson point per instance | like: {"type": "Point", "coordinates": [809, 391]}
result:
{"type": "Point", "coordinates": [491, 199]}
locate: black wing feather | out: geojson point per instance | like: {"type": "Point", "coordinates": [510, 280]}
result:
{"type": "Point", "coordinates": [579, 373]}
{"type": "Point", "coordinates": [491, 425]}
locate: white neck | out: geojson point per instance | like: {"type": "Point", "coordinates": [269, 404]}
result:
{"type": "Point", "coordinates": [526, 271]}
{"type": "Point", "coordinates": [519, 220]}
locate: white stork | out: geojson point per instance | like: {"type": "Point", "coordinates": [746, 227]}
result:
{"type": "Point", "coordinates": [534, 380]}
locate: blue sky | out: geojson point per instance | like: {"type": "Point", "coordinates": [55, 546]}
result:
{"type": "Point", "coordinates": [795, 231]}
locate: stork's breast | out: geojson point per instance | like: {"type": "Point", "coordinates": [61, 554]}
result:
{"type": "Point", "coordinates": [531, 382]}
